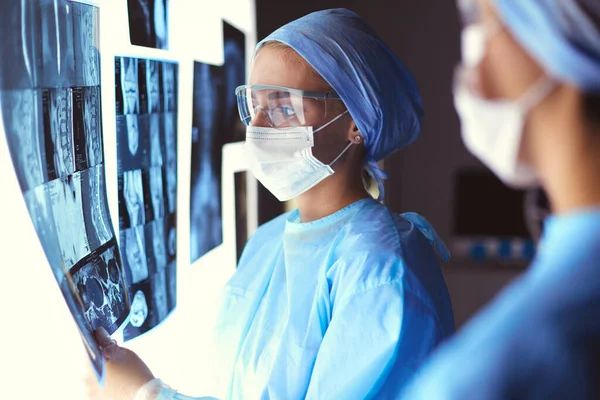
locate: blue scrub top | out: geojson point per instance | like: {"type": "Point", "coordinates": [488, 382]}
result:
{"type": "Point", "coordinates": [540, 339]}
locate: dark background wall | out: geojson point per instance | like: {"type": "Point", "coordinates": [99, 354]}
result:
{"type": "Point", "coordinates": [425, 35]}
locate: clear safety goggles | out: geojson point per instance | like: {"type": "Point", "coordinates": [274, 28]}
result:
{"type": "Point", "coordinates": [281, 107]}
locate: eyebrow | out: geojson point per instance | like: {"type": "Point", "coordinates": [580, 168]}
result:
{"type": "Point", "coordinates": [279, 94]}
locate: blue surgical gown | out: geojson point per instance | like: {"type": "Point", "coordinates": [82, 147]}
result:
{"type": "Point", "coordinates": [541, 338]}
{"type": "Point", "coordinates": [345, 307]}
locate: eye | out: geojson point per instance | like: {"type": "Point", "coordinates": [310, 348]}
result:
{"type": "Point", "coordinates": [284, 112]}
{"type": "Point", "coordinates": [288, 112]}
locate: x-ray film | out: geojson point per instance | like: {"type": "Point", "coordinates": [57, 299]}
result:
{"type": "Point", "coordinates": [147, 176]}
{"type": "Point", "coordinates": [51, 111]}
{"type": "Point", "coordinates": [100, 283]}
{"type": "Point", "coordinates": [215, 123]}
{"type": "Point", "coordinates": [126, 80]}
{"type": "Point", "coordinates": [148, 23]}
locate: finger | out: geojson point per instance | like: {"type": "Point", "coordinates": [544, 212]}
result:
{"type": "Point", "coordinates": [110, 351]}
{"type": "Point", "coordinates": [103, 338]}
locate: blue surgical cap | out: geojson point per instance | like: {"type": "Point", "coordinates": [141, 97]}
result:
{"type": "Point", "coordinates": [378, 90]}
{"type": "Point", "coordinates": [562, 35]}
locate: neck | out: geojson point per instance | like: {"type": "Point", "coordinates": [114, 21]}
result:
{"type": "Point", "coordinates": [330, 196]}
{"type": "Point", "coordinates": [568, 160]}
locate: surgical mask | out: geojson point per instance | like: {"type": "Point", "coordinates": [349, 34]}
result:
{"type": "Point", "coordinates": [492, 130]}
{"type": "Point", "coordinates": [282, 160]}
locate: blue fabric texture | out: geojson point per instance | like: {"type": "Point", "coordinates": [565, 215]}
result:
{"type": "Point", "coordinates": [541, 338]}
{"type": "Point", "coordinates": [378, 90]}
{"type": "Point", "coordinates": [346, 307]}
{"type": "Point", "coordinates": [562, 35]}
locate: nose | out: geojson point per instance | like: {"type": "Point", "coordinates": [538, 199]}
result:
{"type": "Point", "coordinates": [261, 118]}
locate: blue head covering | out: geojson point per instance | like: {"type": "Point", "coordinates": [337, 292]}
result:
{"type": "Point", "coordinates": [562, 35]}
{"type": "Point", "coordinates": [378, 90]}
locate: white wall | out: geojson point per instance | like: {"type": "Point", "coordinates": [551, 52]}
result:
{"type": "Point", "coordinates": [42, 355]}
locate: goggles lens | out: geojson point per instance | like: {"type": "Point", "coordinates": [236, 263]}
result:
{"type": "Point", "coordinates": [280, 107]}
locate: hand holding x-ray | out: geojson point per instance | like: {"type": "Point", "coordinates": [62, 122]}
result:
{"type": "Point", "coordinates": [126, 373]}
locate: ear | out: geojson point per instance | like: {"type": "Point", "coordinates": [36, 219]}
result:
{"type": "Point", "coordinates": [354, 134]}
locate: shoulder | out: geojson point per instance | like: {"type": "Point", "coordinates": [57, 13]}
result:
{"type": "Point", "coordinates": [266, 234]}
{"type": "Point", "coordinates": [372, 249]}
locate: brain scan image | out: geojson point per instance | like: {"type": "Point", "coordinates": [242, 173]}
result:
{"type": "Point", "coordinates": [101, 286]}
{"type": "Point", "coordinates": [129, 85]}
{"type": "Point", "coordinates": [21, 118]}
{"type": "Point", "coordinates": [61, 130]}
{"type": "Point", "coordinates": [133, 243]}
{"type": "Point", "coordinates": [134, 196]}
{"type": "Point", "coordinates": [139, 309]}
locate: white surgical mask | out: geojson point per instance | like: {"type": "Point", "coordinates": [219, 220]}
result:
{"type": "Point", "coordinates": [282, 159]}
{"type": "Point", "coordinates": [492, 130]}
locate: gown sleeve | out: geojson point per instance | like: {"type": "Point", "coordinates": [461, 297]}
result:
{"type": "Point", "coordinates": [157, 390]}
{"type": "Point", "coordinates": [376, 340]}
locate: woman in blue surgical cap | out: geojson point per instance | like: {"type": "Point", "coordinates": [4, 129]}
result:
{"type": "Point", "coordinates": [339, 299]}
{"type": "Point", "coordinates": [528, 94]}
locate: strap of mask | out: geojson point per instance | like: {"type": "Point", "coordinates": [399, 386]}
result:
{"type": "Point", "coordinates": [341, 154]}
{"type": "Point", "coordinates": [538, 92]}
{"type": "Point", "coordinates": [330, 122]}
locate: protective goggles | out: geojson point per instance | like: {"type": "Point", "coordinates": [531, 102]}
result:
{"type": "Point", "coordinates": [281, 107]}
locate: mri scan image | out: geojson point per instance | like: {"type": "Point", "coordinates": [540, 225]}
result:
{"type": "Point", "coordinates": [134, 196]}
{"type": "Point", "coordinates": [21, 113]}
{"type": "Point", "coordinates": [67, 208]}
{"type": "Point", "coordinates": [159, 289]}
{"type": "Point", "coordinates": [133, 244]}
{"type": "Point", "coordinates": [205, 195]}
{"type": "Point", "coordinates": [100, 283]}
{"type": "Point", "coordinates": [58, 113]}
{"type": "Point", "coordinates": [77, 308]}
{"type": "Point", "coordinates": [142, 316]}
{"type": "Point", "coordinates": [172, 285]}
{"type": "Point", "coordinates": [169, 87]}
{"type": "Point", "coordinates": [92, 124]}
{"type": "Point", "coordinates": [50, 105]}
{"type": "Point", "coordinates": [128, 96]}
{"type": "Point", "coordinates": [40, 210]}
{"type": "Point", "coordinates": [57, 50]}
{"type": "Point", "coordinates": [139, 309]}
{"type": "Point", "coordinates": [171, 161]}
{"type": "Point", "coordinates": [95, 207]}
{"type": "Point", "coordinates": [147, 176]}
{"type": "Point", "coordinates": [148, 23]}
{"type": "Point", "coordinates": [85, 43]}
{"type": "Point", "coordinates": [130, 142]}
{"type": "Point", "coordinates": [154, 132]}
{"type": "Point", "coordinates": [157, 193]}
{"type": "Point", "coordinates": [86, 127]}
{"type": "Point", "coordinates": [153, 86]}
{"type": "Point", "coordinates": [156, 245]}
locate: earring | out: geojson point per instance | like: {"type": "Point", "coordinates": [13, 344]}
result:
{"type": "Point", "coordinates": [358, 138]}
